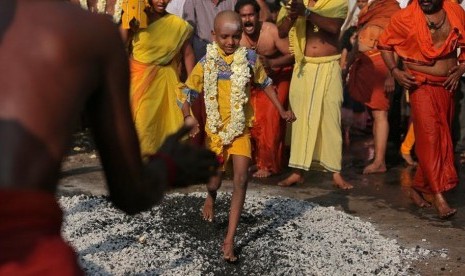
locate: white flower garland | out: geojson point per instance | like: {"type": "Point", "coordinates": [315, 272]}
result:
{"type": "Point", "coordinates": [117, 11]}
{"type": "Point", "coordinates": [83, 4]}
{"type": "Point", "coordinates": [239, 79]}
{"type": "Point", "coordinates": [101, 8]}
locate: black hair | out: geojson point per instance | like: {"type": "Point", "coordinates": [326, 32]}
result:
{"type": "Point", "coordinates": [345, 39]}
{"type": "Point", "coordinates": [242, 3]}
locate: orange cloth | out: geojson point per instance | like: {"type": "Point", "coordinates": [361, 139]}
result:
{"type": "Point", "coordinates": [372, 20]}
{"type": "Point", "coordinates": [432, 111]}
{"type": "Point", "coordinates": [368, 72]}
{"type": "Point", "coordinates": [269, 129]}
{"type": "Point", "coordinates": [409, 141]}
{"type": "Point", "coordinates": [30, 238]}
{"type": "Point", "coordinates": [409, 36]}
{"type": "Point", "coordinates": [366, 80]}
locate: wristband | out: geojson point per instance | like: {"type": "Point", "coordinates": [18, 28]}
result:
{"type": "Point", "coordinates": [169, 163]}
{"type": "Point", "coordinates": [307, 12]}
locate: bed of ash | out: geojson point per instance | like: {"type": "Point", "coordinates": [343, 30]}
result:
{"type": "Point", "coordinates": [276, 236]}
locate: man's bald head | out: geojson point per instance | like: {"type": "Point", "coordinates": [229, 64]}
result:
{"type": "Point", "coordinates": [227, 19]}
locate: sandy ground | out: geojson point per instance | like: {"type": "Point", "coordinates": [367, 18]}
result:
{"type": "Point", "coordinates": [378, 199]}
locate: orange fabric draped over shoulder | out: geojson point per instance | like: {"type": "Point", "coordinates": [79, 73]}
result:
{"type": "Point", "coordinates": [30, 236]}
{"type": "Point", "coordinates": [378, 13]}
{"type": "Point", "coordinates": [368, 72]}
{"type": "Point", "coordinates": [408, 35]}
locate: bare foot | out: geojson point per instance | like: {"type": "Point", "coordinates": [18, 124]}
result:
{"type": "Point", "coordinates": [208, 212]}
{"type": "Point", "coordinates": [375, 168]}
{"type": "Point", "coordinates": [292, 179]}
{"type": "Point", "coordinates": [228, 252]}
{"type": "Point", "coordinates": [261, 174]}
{"type": "Point", "coordinates": [340, 183]}
{"type": "Point", "coordinates": [444, 211]}
{"type": "Point", "coordinates": [409, 160]}
{"type": "Point", "coordinates": [417, 198]}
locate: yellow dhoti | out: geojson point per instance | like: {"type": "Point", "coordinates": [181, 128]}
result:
{"type": "Point", "coordinates": [315, 97]}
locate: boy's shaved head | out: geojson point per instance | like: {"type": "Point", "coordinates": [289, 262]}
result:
{"type": "Point", "coordinates": [227, 19]}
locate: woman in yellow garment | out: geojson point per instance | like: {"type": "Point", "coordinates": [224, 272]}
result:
{"type": "Point", "coordinates": [155, 61]}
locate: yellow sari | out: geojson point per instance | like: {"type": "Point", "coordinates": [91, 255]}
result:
{"type": "Point", "coordinates": [155, 80]}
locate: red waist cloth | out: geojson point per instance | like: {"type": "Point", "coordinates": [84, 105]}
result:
{"type": "Point", "coordinates": [432, 111]}
{"type": "Point", "coordinates": [30, 239]}
{"type": "Point", "coordinates": [269, 129]}
{"type": "Point", "coordinates": [366, 80]}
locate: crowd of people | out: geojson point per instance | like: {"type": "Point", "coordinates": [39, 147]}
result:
{"type": "Point", "coordinates": [231, 76]}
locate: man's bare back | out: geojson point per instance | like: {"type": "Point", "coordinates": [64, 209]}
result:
{"type": "Point", "coordinates": [58, 60]}
{"type": "Point", "coordinates": [56, 63]}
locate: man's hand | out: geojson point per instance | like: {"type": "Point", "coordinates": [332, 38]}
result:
{"type": "Point", "coordinates": [288, 116]}
{"type": "Point", "coordinates": [296, 9]}
{"type": "Point", "coordinates": [193, 164]}
{"type": "Point", "coordinates": [389, 84]}
{"type": "Point", "coordinates": [403, 78]}
{"type": "Point", "coordinates": [454, 75]}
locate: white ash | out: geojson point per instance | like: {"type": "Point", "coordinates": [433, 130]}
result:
{"type": "Point", "coordinates": [276, 236]}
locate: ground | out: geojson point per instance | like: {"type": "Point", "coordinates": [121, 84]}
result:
{"type": "Point", "coordinates": [378, 199]}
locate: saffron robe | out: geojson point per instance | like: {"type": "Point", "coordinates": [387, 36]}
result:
{"type": "Point", "coordinates": [30, 236]}
{"type": "Point", "coordinates": [432, 106]}
{"type": "Point", "coordinates": [315, 96]}
{"type": "Point", "coordinates": [269, 130]}
{"type": "Point", "coordinates": [432, 111]}
{"type": "Point", "coordinates": [368, 72]}
{"type": "Point", "coordinates": [194, 84]}
{"type": "Point", "coordinates": [155, 80]}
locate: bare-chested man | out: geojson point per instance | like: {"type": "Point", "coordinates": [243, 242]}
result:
{"type": "Point", "coordinates": [426, 36]}
{"type": "Point", "coordinates": [316, 88]}
{"type": "Point", "coordinates": [268, 130]}
{"type": "Point", "coordinates": [57, 60]}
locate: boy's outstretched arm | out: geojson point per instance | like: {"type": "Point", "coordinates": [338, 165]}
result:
{"type": "Point", "coordinates": [288, 115]}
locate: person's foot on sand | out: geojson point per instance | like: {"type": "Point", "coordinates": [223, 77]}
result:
{"type": "Point", "coordinates": [261, 173]}
{"type": "Point", "coordinates": [418, 199]}
{"type": "Point", "coordinates": [375, 168]}
{"type": "Point", "coordinates": [208, 212]}
{"type": "Point", "coordinates": [294, 178]}
{"type": "Point", "coordinates": [228, 252]}
{"type": "Point", "coordinates": [444, 210]}
{"type": "Point", "coordinates": [408, 159]}
{"type": "Point", "coordinates": [340, 183]}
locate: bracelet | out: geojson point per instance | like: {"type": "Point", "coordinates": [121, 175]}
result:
{"type": "Point", "coordinates": [169, 163]}
{"type": "Point", "coordinates": [307, 12]}
{"type": "Point", "coordinates": [189, 115]}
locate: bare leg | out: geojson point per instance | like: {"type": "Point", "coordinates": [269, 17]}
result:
{"type": "Point", "coordinates": [295, 177]}
{"type": "Point", "coordinates": [380, 135]}
{"type": "Point", "coordinates": [444, 211]}
{"type": "Point", "coordinates": [240, 165]}
{"type": "Point", "coordinates": [417, 198]}
{"type": "Point", "coordinates": [340, 183]}
{"type": "Point", "coordinates": [208, 212]}
{"type": "Point", "coordinates": [262, 173]}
